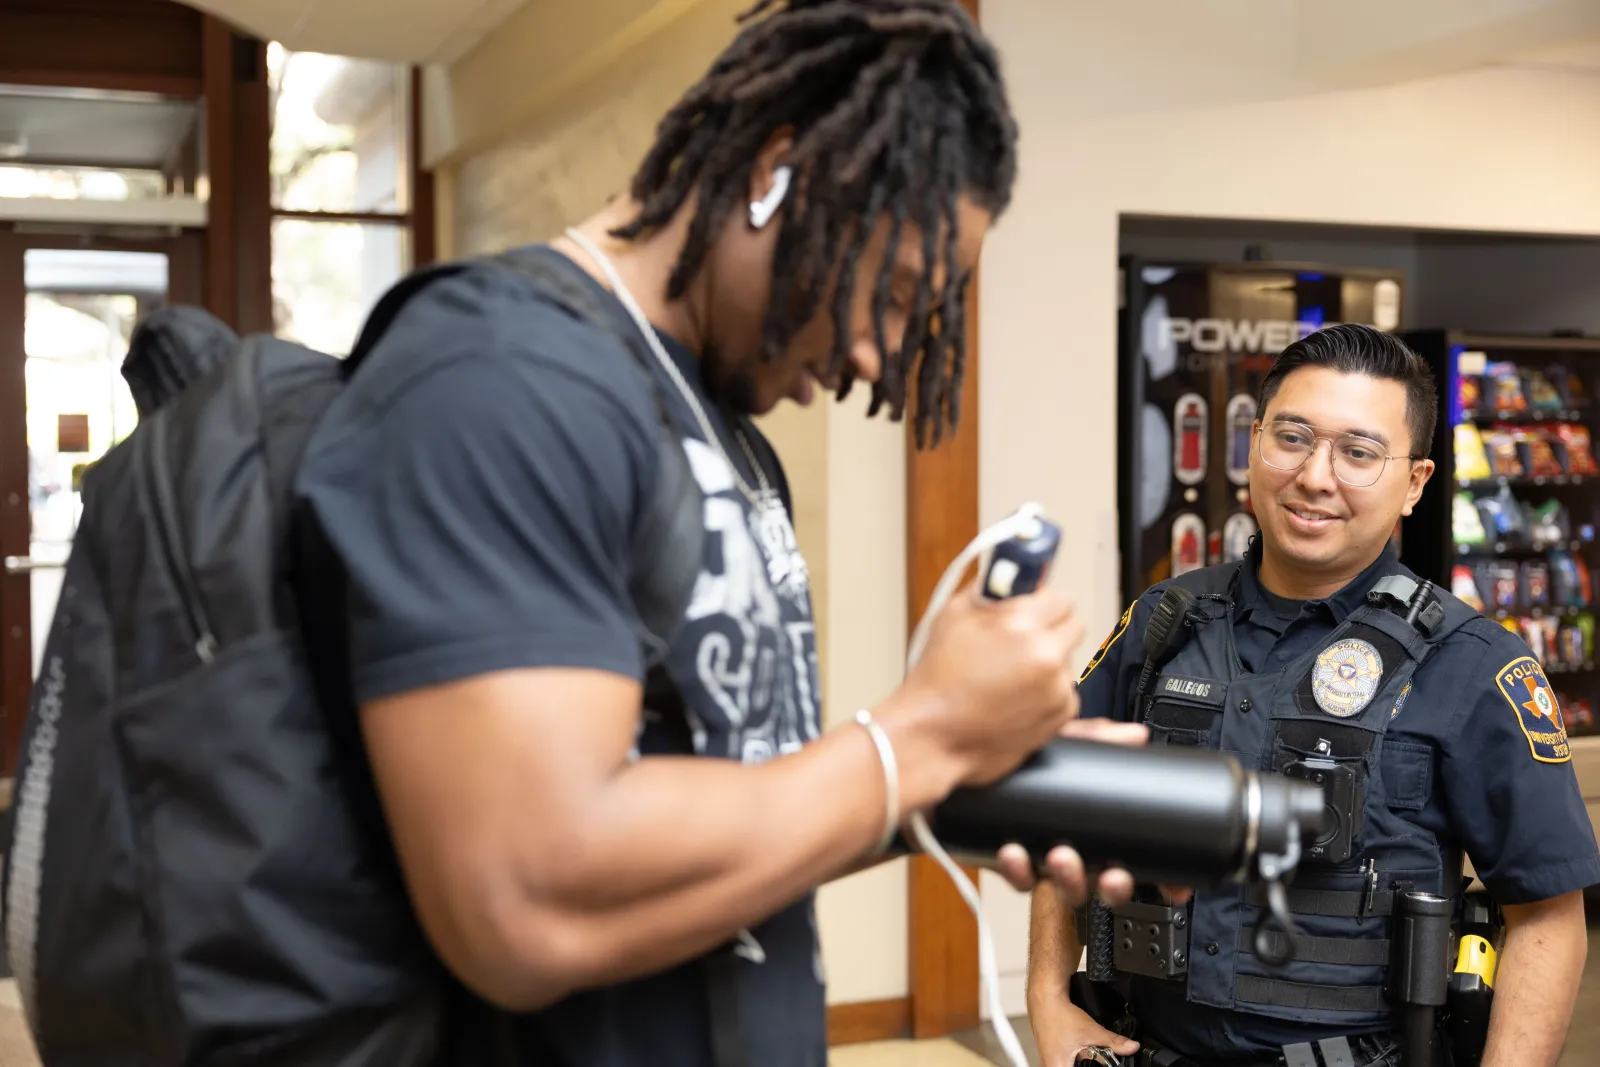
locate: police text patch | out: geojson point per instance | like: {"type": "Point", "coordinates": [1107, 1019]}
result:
{"type": "Point", "coordinates": [1523, 683]}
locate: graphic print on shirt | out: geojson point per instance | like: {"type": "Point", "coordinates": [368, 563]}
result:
{"type": "Point", "coordinates": [746, 659]}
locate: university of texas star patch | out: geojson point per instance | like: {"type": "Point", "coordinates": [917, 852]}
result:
{"type": "Point", "coordinates": [1523, 683]}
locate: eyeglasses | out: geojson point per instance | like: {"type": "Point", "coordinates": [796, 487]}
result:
{"type": "Point", "coordinates": [1357, 461]}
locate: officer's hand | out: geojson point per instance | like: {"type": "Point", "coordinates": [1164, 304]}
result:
{"type": "Point", "coordinates": [1064, 864]}
{"type": "Point", "coordinates": [993, 684]}
{"type": "Point", "coordinates": [1062, 1030]}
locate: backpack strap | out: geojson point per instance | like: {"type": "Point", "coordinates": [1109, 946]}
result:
{"type": "Point", "coordinates": [552, 274]}
{"type": "Point", "coordinates": [390, 306]}
{"type": "Point", "coordinates": [562, 280]}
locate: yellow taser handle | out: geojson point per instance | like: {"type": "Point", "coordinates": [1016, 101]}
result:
{"type": "Point", "coordinates": [1477, 956]}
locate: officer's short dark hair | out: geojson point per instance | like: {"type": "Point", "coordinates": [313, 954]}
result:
{"type": "Point", "coordinates": [1351, 348]}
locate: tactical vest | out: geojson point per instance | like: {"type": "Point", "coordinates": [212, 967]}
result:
{"type": "Point", "coordinates": [1324, 716]}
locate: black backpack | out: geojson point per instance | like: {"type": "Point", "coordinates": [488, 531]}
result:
{"type": "Point", "coordinates": [192, 875]}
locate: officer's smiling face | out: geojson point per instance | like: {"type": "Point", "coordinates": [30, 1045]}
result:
{"type": "Point", "coordinates": [1319, 532]}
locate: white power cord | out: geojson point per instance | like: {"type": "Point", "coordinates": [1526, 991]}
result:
{"type": "Point", "coordinates": [1025, 522]}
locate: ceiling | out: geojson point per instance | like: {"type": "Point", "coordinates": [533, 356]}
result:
{"type": "Point", "coordinates": [92, 129]}
{"type": "Point", "coordinates": [411, 31]}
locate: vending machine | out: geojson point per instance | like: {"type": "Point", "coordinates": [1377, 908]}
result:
{"type": "Point", "coordinates": [1510, 521]}
{"type": "Point", "coordinates": [1196, 340]}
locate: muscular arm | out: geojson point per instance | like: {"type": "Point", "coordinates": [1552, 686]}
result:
{"type": "Point", "coordinates": [1537, 982]}
{"type": "Point", "coordinates": [1515, 805]}
{"type": "Point", "coordinates": [1053, 948]}
{"type": "Point", "coordinates": [542, 860]}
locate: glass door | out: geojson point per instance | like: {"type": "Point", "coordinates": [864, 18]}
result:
{"type": "Point", "coordinates": [78, 405]}
{"type": "Point", "coordinates": [79, 307]}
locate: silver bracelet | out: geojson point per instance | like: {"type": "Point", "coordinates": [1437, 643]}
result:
{"type": "Point", "coordinates": [891, 777]}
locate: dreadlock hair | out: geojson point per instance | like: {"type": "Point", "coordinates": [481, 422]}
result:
{"type": "Point", "coordinates": [898, 108]}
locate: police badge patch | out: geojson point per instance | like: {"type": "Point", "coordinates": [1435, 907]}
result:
{"type": "Point", "coordinates": [1525, 687]}
{"type": "Point", "coordinates": [1346, 677]}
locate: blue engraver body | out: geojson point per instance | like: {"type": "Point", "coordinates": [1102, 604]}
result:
{"type": "Point", "coordinates": [1021, 564]}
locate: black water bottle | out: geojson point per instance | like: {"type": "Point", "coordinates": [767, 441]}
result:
{"type": "Point", "coordinates": [1167, 815]}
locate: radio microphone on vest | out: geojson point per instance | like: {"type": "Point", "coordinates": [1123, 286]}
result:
{"type": "Point", "coordinates": [1166, 632]}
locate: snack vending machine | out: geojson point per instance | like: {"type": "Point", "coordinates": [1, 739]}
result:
{"type": "Point", "coordinates": [1509, 521]}
{"type": "Point", "coordinates": [1196, 340]}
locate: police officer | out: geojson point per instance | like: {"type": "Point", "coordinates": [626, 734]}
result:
{"type": "Point", "coordinates": [1434, 730]}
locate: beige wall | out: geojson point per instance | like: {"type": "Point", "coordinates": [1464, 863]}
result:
{"type": "Point", "coordinates": [847, 475]}
{"type": "Point", "coordinates": [579, 150]}
{"type": "Point", "coordinates": [1213, 131]}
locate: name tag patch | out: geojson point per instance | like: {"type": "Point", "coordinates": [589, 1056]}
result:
{"type": "Point", "coordinates": [1188, 687]}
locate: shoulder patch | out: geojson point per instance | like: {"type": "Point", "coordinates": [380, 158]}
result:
{"type": "Point", "coordinates": [1100, 653]}
{"type": "Point", "coordinates": [1524, 685]}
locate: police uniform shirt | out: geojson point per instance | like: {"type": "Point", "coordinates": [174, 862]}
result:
{"type": "Point", "coordinates": [479, 482]}
{"type": "Point", "coordinates": [1503, 787]}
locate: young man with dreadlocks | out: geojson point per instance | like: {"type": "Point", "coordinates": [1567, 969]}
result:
{"type": "Point", "coordinates": [630, 868]}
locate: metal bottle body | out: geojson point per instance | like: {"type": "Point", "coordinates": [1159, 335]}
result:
{"type": "Point", "coordinates": [1167, 815]}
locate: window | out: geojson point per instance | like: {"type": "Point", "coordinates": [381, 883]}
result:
{"type": "Point", "coordinates": [341, 197]}
{"type": "Point", "coordinates": [81, 183]}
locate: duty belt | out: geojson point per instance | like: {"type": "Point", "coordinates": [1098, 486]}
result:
{"type": "Point", "coordinates": [1330, 1052]}
{"type": "Point", "coordinates": [1148, 1057]}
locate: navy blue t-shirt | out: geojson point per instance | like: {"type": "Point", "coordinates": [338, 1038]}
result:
{"type": "Point", "coordinates": [479, 481]}
{"type": "Point", "coordinates": [1501, 793]}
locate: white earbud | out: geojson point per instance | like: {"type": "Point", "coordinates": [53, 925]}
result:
{"type": "Point", "coordinates": [761, 211]}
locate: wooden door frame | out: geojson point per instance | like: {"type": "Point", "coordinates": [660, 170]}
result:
{"type": "Point", "coordinates": [941, 518]}
{"type": "Point", "coordinates": [184, 285]}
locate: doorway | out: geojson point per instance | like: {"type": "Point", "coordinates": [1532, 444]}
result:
{"type": "Point", "coordinates": [68, 307]}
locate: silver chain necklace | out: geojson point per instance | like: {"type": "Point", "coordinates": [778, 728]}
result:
{"type": "Point", "coordinates": [764, 500]}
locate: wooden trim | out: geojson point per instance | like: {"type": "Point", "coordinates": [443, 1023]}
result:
{"type": "Point", "coordinates": [365, 218]}
{"type": "Point", "coordinates": [871, 1020]}
{"type": "Point", "coordinates": [115, 45]}
{"type": "Point", "coordinates": [424, 217]}
{"type": "Point", "coordinates": [16, 646]}
{"type": "Point", "coordinates": [222, 246]}
{"type": "Point", "coordinates": [175, 85]}
{"type": "Point", "coordinates": [185, 266]}
{"type": "Point", "coordinates": [252, 160]}
{"type": "Point", "coordinates": [941, 518]}
{"type": "Point", "coordinates": [184, 245]}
